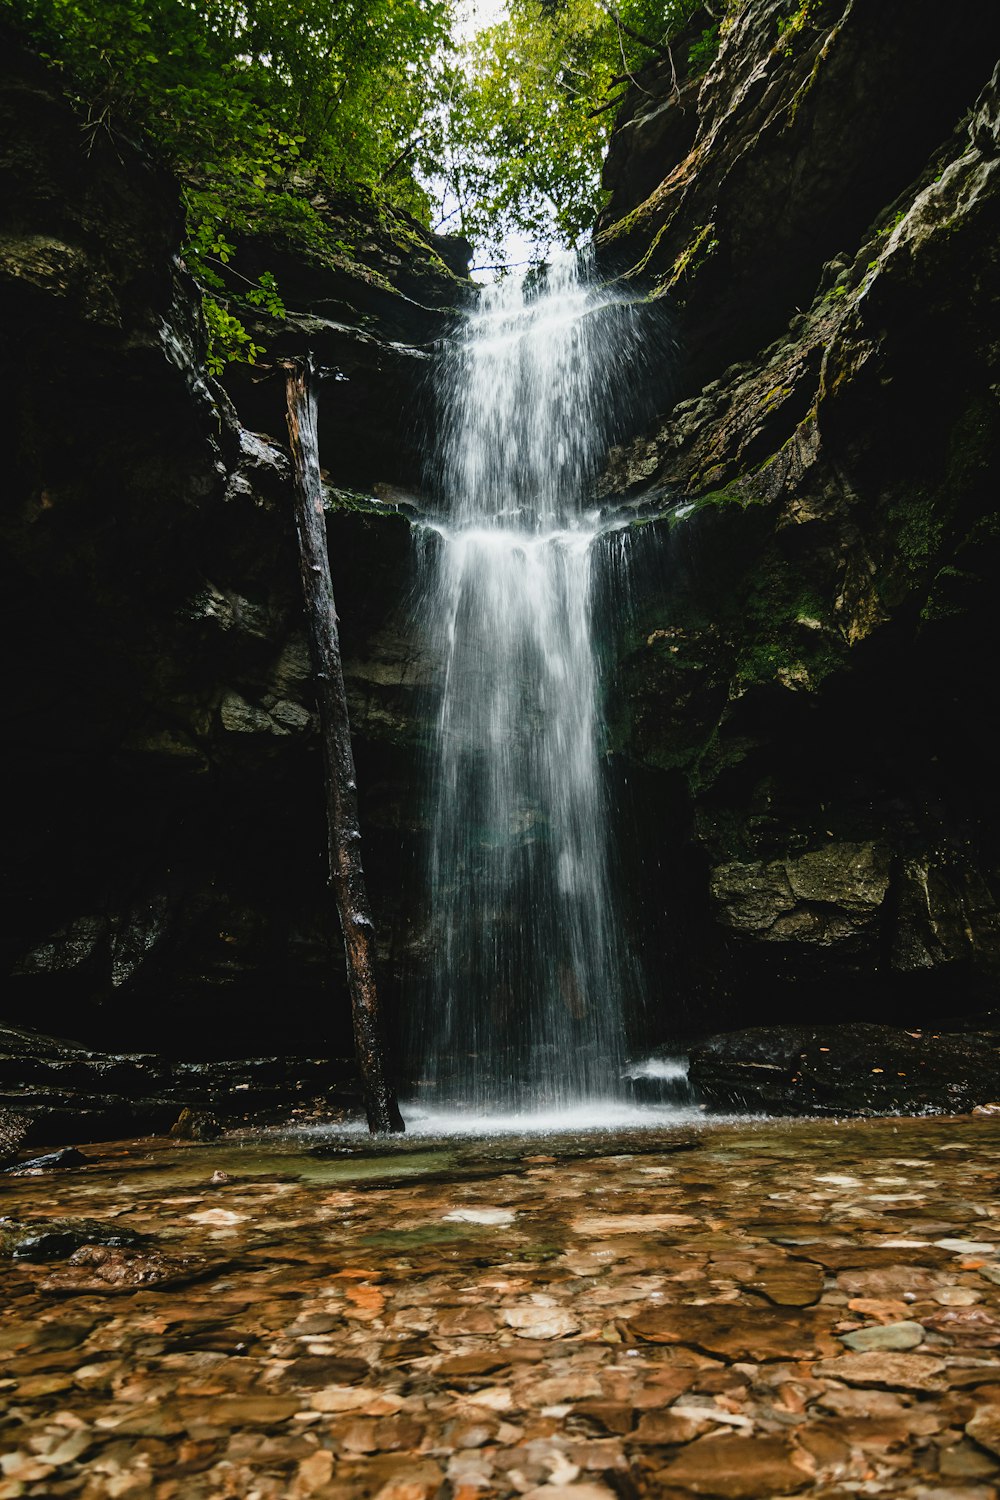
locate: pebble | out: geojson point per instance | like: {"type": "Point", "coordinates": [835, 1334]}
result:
{"type": "Point", "coordinates": [897, 1336]}
{"type": "Point", "coordinates": [497, 1216]}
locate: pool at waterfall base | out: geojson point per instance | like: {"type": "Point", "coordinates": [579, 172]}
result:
{"type": "Point", "coordinates": [736, 1309]}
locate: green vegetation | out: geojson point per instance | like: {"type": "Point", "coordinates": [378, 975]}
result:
{"type": "Point", "coordinates": [789, 27]}
{"type": "Point", "coordinates": [917, 531]}
{"type": "Point", "coordinates": [250, 93]}
{"type": "Point", "coordinates": [701, 53]}
{"type": "Point", "coordinates": [265, 111]}
{"type": "Point", "coordinates": [255, 106]}
{"type": "Point", "coordinates": [529, 105]}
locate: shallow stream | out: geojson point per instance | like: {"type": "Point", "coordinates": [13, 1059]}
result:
{"type": "Point", "coordinates": [735, 1309]}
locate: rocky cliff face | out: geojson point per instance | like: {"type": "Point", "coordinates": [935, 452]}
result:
{"type": "Point", "coordinates": [166, 841]}
{"type": "Point", "coordinates": [806, 693]}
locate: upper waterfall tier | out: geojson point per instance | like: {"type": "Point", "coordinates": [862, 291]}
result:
{"type": "Point", "coordinates": [530, 400]}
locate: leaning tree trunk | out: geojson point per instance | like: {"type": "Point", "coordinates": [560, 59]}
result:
{"type": "Point", "coordinates": [344, 835]}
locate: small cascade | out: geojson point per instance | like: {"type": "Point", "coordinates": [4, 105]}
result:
{"type": "Point", "coordinates": [530, 968]}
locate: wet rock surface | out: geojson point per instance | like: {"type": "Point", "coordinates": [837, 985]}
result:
{"type": "Point", "coordinates": [800, 726]}
{"type": "Point", "coordinates": [798, 699]}
{"type": "Point", "coordinates": [54, 1089]}
{"type": "Point", "coordinates": [847, 1070]}
{"type": "Point", "coordinates": [571, 1319]}
{"type": "Point", "coordinates": [730, 193]}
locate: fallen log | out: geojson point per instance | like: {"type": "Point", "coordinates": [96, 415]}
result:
{"type": "Point", "coordinates": [343, 830]}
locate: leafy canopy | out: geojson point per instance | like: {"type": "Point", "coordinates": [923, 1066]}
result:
{"type": "Point", "coordinates": [250, 102]}
{"type": "Point", "coordinates": [255, 102]}
{"type": "Point", "coordinates": [248, 86]}
{"type": "Point", "coordinates": [529, 108]}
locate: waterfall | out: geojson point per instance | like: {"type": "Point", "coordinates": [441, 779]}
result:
{"type": "Point", "coordinates": [529, 967]}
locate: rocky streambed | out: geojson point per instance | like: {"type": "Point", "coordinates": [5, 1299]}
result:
{"type": "Point", "coordinates": [740, 1309]}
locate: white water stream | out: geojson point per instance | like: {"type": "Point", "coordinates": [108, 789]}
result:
{"type": "Point", "coordinates": [530, 968]}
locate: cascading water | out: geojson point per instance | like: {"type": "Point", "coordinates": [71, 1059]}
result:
{"type": "Point", "coordinates": [529, 966]}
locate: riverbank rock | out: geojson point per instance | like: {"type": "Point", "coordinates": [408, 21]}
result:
{"type": "Point", "coordinates": [846, 1070]}
{"type": "Point", "coordinates": [60, 1091]}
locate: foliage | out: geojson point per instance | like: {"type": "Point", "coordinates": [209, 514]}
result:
{"type": "Point", "coordinates": [262, 106]}
{"type": "Point", "coordinates": [789, 27]}
{"type": "Point", "coordinates": [251, 86]}
{"type": "Point", "coordinates": [207, 252]}
{"type": "Point", "coordinates": [701, 53]}
{"type": "Point", "coordinates": [523, 157]}
{"type": "Point", "coordinates": [529, 107]}
{"type": "Point", "coordinates": [249, 101]}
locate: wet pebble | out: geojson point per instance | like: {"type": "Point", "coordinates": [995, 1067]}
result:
{"type": "Point", "coordinates": [898, 1336]}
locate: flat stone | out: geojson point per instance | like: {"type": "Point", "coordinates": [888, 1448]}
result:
{"type": "Point", "coordinates": [250, 1411]}
{"type": "Point", "coordinates": [150, 1420]}
{"type": "Point", "coordinates": [314, 1472]}
{"type": "Point", "coordinates": [739, 1468]}
{"type": "Point", "coordinates": [598, 1225]}
{"type": "Point", "coordinates": [584, 1490]}
{"type": "Point", "coordinates": [472, 1367]}
{"type": "Point", "coordinates": [867, 1257]}
{"type": "Point", "coordinates": [954, 1492]}
{"type": "Point", "coordinates": [570, 1387]}
{"type": "Point", "coordinates": [466, 1320]}
{"type": "Point", "coordinates": [493, 1398]}
{"type": "Point", "coordinates": [984, 1428]}
{"type": "Point", "coordinates": [796, 1284]}
{"type": "Point", "coordinates": [604, 1416]}
{"type": "Point", "coordinates": [498, 1217]}
{"type": "Point", "coordinates": [47, 1337]}
{"type": "Point", "coordinates": [666, 1427]}
{"type": "Point", "coordinates": [891, 1336]}
{"type": "Point", "coordinates": [966, 1460]}
{"type": "Point", "coordinates": [540, 1322]}
{"type": "Point", "coordinates": [313, 1324]}
{"type": "Point", "coordinates": [973, 1327]}
{"type": "Point", "coordinates": [34, 1386]}
{"type": "Point", "coordinates": [356, 1398]}
{"type": "Point", "coordinates": [314, 1370]}
{"type": "Point", "coordinates": [904, 1372]}
{"type": "Point", "coordinates": [888, 1281]}
{"type": "Point", "coordinates": [664, 1387]}
{"type": "Point", "coordinates": [736, 1331]}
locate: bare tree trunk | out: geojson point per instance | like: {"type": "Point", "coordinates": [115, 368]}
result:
{"type": "Point", "coordinates": [343, 832]}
